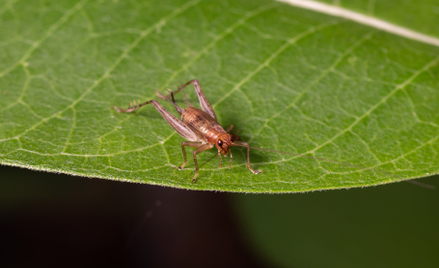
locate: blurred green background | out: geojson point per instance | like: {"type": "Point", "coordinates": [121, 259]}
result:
{"type": "Point", "coordinates": [55, 219]}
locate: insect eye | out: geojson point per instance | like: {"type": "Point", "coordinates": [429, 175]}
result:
{"type": "Point", "coordinates": [232, 138]}
{"type": "Point", "coordinates": [220, 143]}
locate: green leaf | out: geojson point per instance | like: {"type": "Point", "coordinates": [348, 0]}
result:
{"type": "Point", "coordinates": [363, 102]}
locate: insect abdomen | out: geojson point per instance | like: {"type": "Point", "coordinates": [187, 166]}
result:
{"type": "Point", "coordinates": [206, 128]}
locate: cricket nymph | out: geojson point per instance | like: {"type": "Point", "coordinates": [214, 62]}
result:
{"type": "Point", "coordinates": [207, 129]}
{"type": "Point", "coordinates": [199, 126]}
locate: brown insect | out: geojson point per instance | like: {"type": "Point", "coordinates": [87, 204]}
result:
{"type": "Point", "coordinates": [199, 127]}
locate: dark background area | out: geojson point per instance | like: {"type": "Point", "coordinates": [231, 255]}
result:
{"type": "Point", "coordinates": [54, 220]}
{"type": "Point", "coordinates": [59, 220]}
{"type": "Point", "coordinates": [392, 225]}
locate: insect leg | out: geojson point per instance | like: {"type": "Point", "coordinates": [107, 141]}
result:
{"type": "Point", "coordinates": [200, 149]}
{"type": "Point", "coordinates": [179, 110]}
{"type": "Point", "coordinates": [175, 123]}
{"type": "Point", "coordinates": [234, 134]}
{"type": "Point", "coordinates": [221, 160]}
{"type": "Point", "coordinates": [244, 144]}
{"type": "Point", "coordinates": [173, 100]}
{"type": "Point", "coordinates": [190, 144]}
{"type": "Point", "coordinates": [231, 156]}
{"type": "Point", "coordinates": [174, 92]}
{"type": "Point", "coordinates": [131, 108]}
{"type": "Point", "coordinates": [205, 105]}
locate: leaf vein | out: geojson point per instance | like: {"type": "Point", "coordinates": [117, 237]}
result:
{"type": "Point", "coordinates": [37, 44]}
{"type": "Point", "coordinates": [383, 100]}
{"type": "Point", "coordinates": [221, 36]}
{"type": "Point", "coordinates": [145, 33]}
{"type": "Point", "coordinates": [275, 54]}
{"type": "Point", "coordinates": [320, 77]}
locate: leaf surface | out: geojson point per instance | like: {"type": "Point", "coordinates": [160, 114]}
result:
{"type": "Point", "coordinates": [362, 102]}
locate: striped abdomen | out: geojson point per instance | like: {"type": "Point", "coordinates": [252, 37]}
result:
{"type": "Point", "coordinates": [203, 125]}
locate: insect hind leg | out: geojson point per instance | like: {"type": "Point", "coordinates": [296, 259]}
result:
{"type": "Point", "coordinates": [181, 88]}
{"type": "Point", "coordinates": [179, 110]}
{"type": "Point", "coordinates": [204, 103]}
{"type": "Point", "coordinates": [131, 108]}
